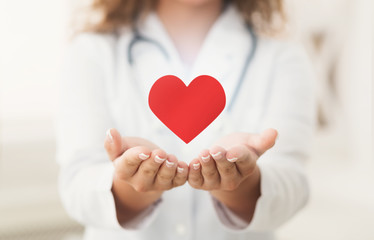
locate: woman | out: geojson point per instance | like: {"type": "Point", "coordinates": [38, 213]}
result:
{"type": "Point", "coordinates": [135, 188]}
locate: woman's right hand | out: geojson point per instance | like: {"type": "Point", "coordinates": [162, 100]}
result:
{"type": "Point", "coordinates": [142, 173]}
{"type": "Point", "coordinates": [143, 165]}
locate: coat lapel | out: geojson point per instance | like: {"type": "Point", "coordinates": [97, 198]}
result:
{"type": "Point", "coordinates": [224, 51]}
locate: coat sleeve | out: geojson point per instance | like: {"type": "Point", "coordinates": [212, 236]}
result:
{"type": "Point", "coordinates": [86, 173]}
{"type": "Point", "coordinates": [291, 110]}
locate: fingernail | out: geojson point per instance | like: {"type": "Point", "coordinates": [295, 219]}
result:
{"type": "Point", "coordinates": [217, 155]}
{"type": "Point", "coordinates": [180, 170]}
{"type": "Point", "coordinates": [232, 159]}
{"type": "Point", "coordinates": [169, 164]}
{"type": "Point", "coordinates": [158, 159]}
{"type": "Point", "coordinates": [196, 166]}
{"type": "Point", "coordinates": [206, 158]}
{"type": "Point", "coordinates": [110, 137]}
{"type": "Point", "coordinates": [143, 156]}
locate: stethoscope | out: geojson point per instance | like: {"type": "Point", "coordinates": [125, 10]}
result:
{"type": "Point", "coordinates": [137, 38]}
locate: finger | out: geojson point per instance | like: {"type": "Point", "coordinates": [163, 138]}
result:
{"type": "Point", "coordinates": [209, 170]}
{"type": "Point", "coordinates": [195, 179]}
{"type": "Point", "coordinates": [181, 175]}
{"type": "Point", "coordinates": [127, 164]}
{"type": "Point", "coordinates": [226, 167]}
{"type": "Point", "coordinates": [244, 158]}
{"type": "Point", "coordinates": [264, 141]}
{"type": "Point", "coordinates": [166, 173]}
{"type": "Point", "coordinates": [229, 174]}
{"type": "Point", "coordinates": [149, 168]}
{"type": "Point", "coordinates": [113, 144]}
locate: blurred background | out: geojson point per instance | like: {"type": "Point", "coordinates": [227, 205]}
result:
{"type": "Point", "coordinates": [338, 37]}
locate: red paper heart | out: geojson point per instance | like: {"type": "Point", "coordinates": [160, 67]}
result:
{"type": "Point", "coordinates": [187, 110]}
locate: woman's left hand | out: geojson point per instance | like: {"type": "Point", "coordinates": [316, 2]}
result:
{"type": "Point", "coordinates": [229, 170]}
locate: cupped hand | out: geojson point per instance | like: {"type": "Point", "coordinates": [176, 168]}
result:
{"type": "Point", "coordinates": [232, 160]}
{"type": "Point", "coordinates": [143, 165]}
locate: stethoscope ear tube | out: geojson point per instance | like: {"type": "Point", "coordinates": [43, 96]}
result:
{"type": "Point", "coordinates": [139, 38]}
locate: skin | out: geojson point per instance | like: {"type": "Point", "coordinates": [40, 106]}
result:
{"type": "Point", "coordinates": [142, 173]}
{"type": "Point", "coordinates": [187, 23]}
{"type": "Point", "coordinates": [232, 176]}
{"type": "Point", "coordinates": [229, 171]}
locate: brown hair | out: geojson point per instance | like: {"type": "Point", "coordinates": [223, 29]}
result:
{"type": "Point", "coordinates": [109, 15]}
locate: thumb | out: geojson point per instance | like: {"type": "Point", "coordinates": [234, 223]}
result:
{"type": "Point", "coordinates": [264, 141]}
{"type": "Point", "coordinates": [113, 144]}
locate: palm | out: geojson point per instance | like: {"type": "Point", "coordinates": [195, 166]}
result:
{"type": "Point", "coordinates": [130, 142]}
{"type": "Point", "coordinates": [258, 143]}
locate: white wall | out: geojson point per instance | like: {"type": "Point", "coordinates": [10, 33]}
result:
{"type": "Point", "coordinates": [342, 167]}
{"type": "Point", "coordinates": [31, 46]}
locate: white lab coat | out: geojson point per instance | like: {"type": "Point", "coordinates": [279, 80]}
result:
{"type": "Point", "coordinates": [100, 90]}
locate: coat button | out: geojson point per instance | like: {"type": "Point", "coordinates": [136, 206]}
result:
{"type": "Point", "coordinates": [180, 229]}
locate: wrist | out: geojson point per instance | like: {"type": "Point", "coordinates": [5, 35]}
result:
{"type": "Point", "coordinates": [130, 202]}
{"type": "Point", "coordinates": [242, 200]}
{"type": "Point", "coordinates": [125, 191]}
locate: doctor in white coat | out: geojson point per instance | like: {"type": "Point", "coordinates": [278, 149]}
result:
{"type": "Point", "coordinates": [106, 81]}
